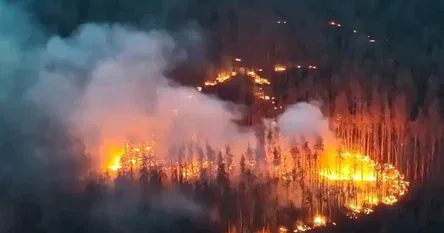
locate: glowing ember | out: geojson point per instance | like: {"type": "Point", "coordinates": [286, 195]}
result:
{"type": "Point", "coordinates": [333, 23]}
{"type": "Point", "coordinates": [300, 227]}
{"type": "Point", "coordinates": [210, 83]}
{"type": "Point", "coordinates": [319, 221]}
{"type": "Point", "coordinates": [258, 79]}
{"type": "Point", "coordinates": [225, 76]}
{"type": "Point", "coordinates": [280, 68]}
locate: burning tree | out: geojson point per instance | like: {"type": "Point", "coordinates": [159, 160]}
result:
{"type": "Point", "coordinates": [305, 177]}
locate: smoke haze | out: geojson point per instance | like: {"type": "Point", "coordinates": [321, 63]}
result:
{"type": "Point", "coordinates": [307, 120]}
{"type": "Point", "coordinates": [91, 92]}
{"type": "Point", "coordinates": [108, 83]}
{"type": "Point", "coordinates": [126, 93]}
{"type": "Point", "coordinates": [63, 97]}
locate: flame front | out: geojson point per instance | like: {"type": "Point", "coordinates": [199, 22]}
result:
{"type": "Point", "coordinates": [379, 183]}
{"type": "Point", "coordinates": [224, 76]}
{"type": "Point", "coordinates": [321, 180]}
{"type": "Point", "coordinates": [353, 180]}
{"type": "Point", "coordinates": [115, 165]}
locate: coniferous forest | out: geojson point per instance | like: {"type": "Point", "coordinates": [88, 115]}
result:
{"type": "Point", "coordinates": [374, 69]}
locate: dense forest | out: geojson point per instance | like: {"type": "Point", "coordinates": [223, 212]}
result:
{"type": "Point", "coordinates": [379, 77]}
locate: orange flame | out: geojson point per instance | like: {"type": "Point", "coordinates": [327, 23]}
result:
{"type": "Point", "coordinates": [280, 68]}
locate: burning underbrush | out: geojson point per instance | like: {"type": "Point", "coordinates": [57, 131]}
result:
{"type": "Point", "coordinates": [273, 187]}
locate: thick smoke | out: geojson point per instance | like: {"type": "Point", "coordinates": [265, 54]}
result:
{"type": "Point", "coordinates": [306, 120]}
{"type": "Point", "coordinates": [108, 84]}
{"type": "Point", "coordinates": [30, 141]}
{"type": "Point", "coordinates": [61, 97]}
{"type": "Point", "coordinates": [92, 92]}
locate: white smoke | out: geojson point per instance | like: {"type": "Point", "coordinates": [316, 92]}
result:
{"type": "Point", "coordinates": [307, 120]}
{"type": "Point", "coordinates": [127, 93]}
{"type": "Point", "coordinates": [108, 83]}
{"type": "Point", "coordinates": [104, 84]}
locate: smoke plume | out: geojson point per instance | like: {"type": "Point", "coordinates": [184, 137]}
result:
{"type": "Point", "coordinates": [63, 98]}
{"type": "Point", "coordinates": [109, 84]}
{"type": "Point", "coordinates": [90, 92]}
{"type": "Point", "coordinates": [306, 120]}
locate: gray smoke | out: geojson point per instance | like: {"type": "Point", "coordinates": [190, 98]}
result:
{"type": "Point", "coordinates": [63, 97]}
{"type": "Point", "coordinates": [307, 120]}
{"type": "Point", "coordinates": [90, 92]}
{"type": "Point", "coordinates": [108, 83]}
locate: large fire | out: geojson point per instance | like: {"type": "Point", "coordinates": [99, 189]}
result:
{"type": "Point", "coordinates": [321, 179]}
{"type": "Point", "coordinates": [351, 180]}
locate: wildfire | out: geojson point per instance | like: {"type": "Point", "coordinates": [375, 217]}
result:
{"type": "Point", "coordinates": [210, 83]}
{"type": "Point", "coordinates": [327, 179]}
{"type": "Point", "coordinates": [319, 221]}
{"type": "Point", "coordinates": [280, 68]}
{"type": "Point", "coordinates": [372, 183]}
{"type": "Point", "coordinates": [376, 179]}
{"type": "Point", "coordinates": [221, 78]}
{"type": "Point", "coordinates": [115, 165]}
{"type": "Point", "coordinates": [225, 76]}
{"type": "Point", "coordinates": [264, 97]}
{"type": "Point", "coordinates": [354, 167]}
{"type": "Point", "coordinates": [258, 79]}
